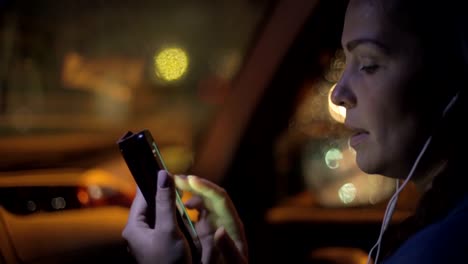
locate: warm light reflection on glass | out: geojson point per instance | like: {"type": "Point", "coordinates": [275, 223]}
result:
{"type": "Point", "coordinates": [338, 113]}
{"type": "Point", "coordinates": [171, 64]}
{"type": "Point", "coordinates": [178, 159]}
{"type": "Point", "coordinates": [121, 75]}
{"type": "Point", "coordinates": [347, 193]}
{"type": "Point", "coordinates": [22, 119]}
{"type": "Point", "coordinates": [58, 203]}
{"type": "Point", "coordinates": [83, 197]}
{"type": "Point", "coordinates": [228, 65]}
{"type": "Point", "coordinates": [333, 157]}
{"type": "Point", "coordinates": [95, 192]}
{"type": "Point", "coordinates": [31, 205]}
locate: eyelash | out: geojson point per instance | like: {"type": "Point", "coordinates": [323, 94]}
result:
{"type": "Point", "coordinates": [370, 69]}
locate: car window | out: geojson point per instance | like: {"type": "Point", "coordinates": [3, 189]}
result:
{"type": "Point", "coordinates": [93, 70]}
{"type": "Point", "coordinates": [75, 76]}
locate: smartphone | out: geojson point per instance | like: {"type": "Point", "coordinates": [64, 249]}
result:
{"type": "Point", "coordinates": [144, 160]}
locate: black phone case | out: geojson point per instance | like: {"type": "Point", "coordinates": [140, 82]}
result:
{"type": "Point", "coordinates": [141, 153]}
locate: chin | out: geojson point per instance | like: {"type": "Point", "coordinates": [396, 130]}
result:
{"type": "Point", "coordinates": [376, 166]}
{"type": "Point", "coordinates": [380, 160]}
{"type": "Point", "coordinates": [367, 163]}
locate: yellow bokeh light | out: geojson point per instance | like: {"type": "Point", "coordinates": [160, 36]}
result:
{"type": "Point", "coordinates": [337, 112]}
{"type": "Point", "coordinates": [171, 64]}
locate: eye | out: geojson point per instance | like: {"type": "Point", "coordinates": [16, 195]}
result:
{"type": "Point", "coordinates": [370, 69]}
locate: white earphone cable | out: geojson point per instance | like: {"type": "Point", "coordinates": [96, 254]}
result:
{"type": "Point", "coordinates": [393, 201]}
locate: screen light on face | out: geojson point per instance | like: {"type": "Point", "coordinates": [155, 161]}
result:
{"type": "Point", "coordinates": [338, 113]}
{"type": "Point", "coordinates": [171, 64]}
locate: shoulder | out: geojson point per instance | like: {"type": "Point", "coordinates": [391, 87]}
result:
{"type": "Point", "coordinates": [442, 242]}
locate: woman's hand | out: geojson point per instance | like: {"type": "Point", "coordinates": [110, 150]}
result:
{"type": "Point", "coordinates": [220, 229]}
{"type": "Point", "coordinates": [166, 242]}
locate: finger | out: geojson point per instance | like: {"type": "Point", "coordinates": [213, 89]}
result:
{"type": "Point", "coordinates": [182, 183]}
{"type": "Point", "coordinates": [222, 210]}
{"type": "Point", "coordinates": [165, 203]}
{"type": "Point", "coordinates": [204, 226]}
{"type": "Point", "coordinates": [216, 195]}
{"type": "Point", "coordinates": [205, 187]}
{"type": "Point", "coordinates": [205, 231]}
{"type": "Point", "coordinates": [196, 202]}
{"type": "Point", "coordinates": [137, 214]}
{"type": "Point", "coordinates": [221, 204]}
{"type": "Point", "coordinates": [228, 248]}
{"type": "Point", "coordinates": [136, 218]}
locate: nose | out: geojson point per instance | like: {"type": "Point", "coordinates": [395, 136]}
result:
{"type": "Point", "coordinates": [343, 95]}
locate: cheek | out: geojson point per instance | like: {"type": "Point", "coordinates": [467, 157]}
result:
{"type": "Point", "coordinates": [380, 107]}
{"type": "Point", "coordinates": [393, 147]}
{"type": "Point", "coordinates": [393, 123]}
{"type": "Point", "coordinates": [376, 107]}
{"type": "Point", "coordinates": [386, 100]}
{"type": "Point", "coordinates": [391, 129]}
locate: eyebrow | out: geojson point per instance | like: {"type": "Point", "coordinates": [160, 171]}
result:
{"type": "Point", "coordinates": [354, 43]}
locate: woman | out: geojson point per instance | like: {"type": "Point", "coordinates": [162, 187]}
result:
{"type": "Point", "coordinates": [404, 90]}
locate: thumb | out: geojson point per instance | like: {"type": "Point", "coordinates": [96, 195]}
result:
{"type": "Point", "coordinates": [227, 248]}
{"type": "Point", "coordinates": [165, 203]}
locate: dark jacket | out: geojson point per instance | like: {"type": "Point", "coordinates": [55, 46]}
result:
{"type": "Point", "coordinates": [445, 241]}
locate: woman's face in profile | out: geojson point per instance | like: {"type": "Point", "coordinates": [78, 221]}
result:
{"type": "Point", "coordinates": [378, 90]}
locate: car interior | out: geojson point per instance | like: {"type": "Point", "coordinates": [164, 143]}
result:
{"type": "Point", "coordinates": [291, 215]}
{"type": "Point", "coordinates": [237, 92]}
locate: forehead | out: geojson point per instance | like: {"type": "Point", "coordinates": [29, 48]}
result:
{"type": "Point", "coordinates": [366, 19]}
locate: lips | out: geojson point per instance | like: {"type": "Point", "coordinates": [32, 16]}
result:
{"type": "Point", "coordinates": [358, 136]}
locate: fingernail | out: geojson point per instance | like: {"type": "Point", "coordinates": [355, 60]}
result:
{"type": "Point", "coordinates": [163, 179]}
{"type": "Point", "coordinates": [219, 233]}
{"type": "Point", "coordinates": [182, 176]}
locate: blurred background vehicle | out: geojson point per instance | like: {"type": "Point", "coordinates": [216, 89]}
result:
{"type": "Point", "coordinates": [234, 91]}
